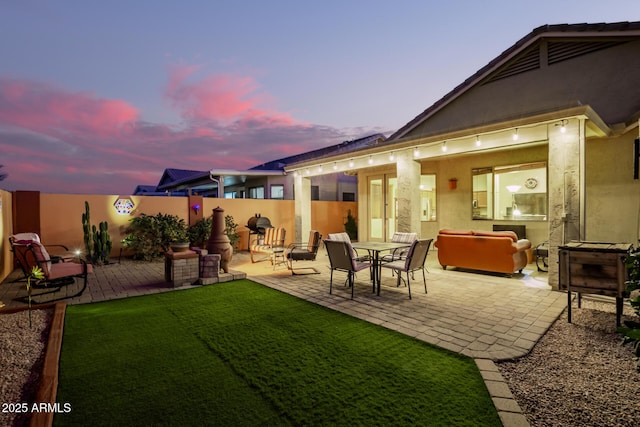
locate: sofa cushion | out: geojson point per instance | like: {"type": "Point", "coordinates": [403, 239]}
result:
{"type": "Point", "coordinates": [510, 234]}
{"type": "Point", "coordinates": [456, 232]}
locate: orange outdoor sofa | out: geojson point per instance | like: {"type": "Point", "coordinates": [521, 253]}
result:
{"type": "Point", "coordinates": [495, 251]}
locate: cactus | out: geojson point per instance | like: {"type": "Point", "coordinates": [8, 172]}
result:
{"type": "Point", "coordinates": [86, 227]}
{"type": "Point", "coordinates": [97, 240]}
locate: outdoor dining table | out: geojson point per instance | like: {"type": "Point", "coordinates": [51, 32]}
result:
{"type": "Point", "coordinates": [374, 249]}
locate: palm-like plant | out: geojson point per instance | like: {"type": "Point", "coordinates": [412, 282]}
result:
{"type": "Point", "coordinates": [35, 274]}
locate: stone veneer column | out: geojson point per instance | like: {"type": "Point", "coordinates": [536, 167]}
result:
{"type": "Point", "coordinates": [566, 190]}
{"type": "Point", "coordinates": [408, 179]}
{"type": "Point", "coordinates": [302, 196]}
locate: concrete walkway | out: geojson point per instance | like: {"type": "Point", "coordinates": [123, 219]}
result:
{"type": "Point", "coordinates": [486, 317]}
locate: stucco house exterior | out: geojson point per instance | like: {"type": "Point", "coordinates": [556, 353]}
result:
{"type": "Point", "coordinates": [544, 135]}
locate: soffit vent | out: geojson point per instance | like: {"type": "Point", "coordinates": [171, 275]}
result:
{"type": "Point", "coordinates": [561, 51]}
{"type": "Point", "coordinates": [527, 61]}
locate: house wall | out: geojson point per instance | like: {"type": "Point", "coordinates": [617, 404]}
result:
{"type": "Point", "coordinates": [613, 196]}
{"type": "Point", "coordinates": [330, 186]}
{"type": "Point", "coordinates": [6, 225]}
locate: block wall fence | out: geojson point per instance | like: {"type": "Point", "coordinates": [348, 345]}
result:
{"type": "Point", "coordinates": [58, 217]}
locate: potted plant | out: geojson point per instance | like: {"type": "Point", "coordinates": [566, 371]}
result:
{"type": "Point", "coordinates": [351, 227]}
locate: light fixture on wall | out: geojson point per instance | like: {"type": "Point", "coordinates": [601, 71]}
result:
{"type": "Point", "coordinates": [416, 152]}
{"type": "Point", "coordinates": [478, 142]}
{"type": "Point", "coordinates": [351, 163]}
{"type": "Point", "coordinates": [515, 135]}
{"type": "Point", "coordinates": [196, 208]}
{"type": "Point", "coordinates": [444, 147]}
{"type": "Point", "coordinates": [370, 160]}
{"type": "Point", "coordinates": [320, 168]}
{"type": "Point", "coordinates": [563, 125]}
{"type": "Point", "coordinates": [124, 205]}
{"type": "Point", "coordinates": [335, 166]}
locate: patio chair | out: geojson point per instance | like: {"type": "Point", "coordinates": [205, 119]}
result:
{"type": "Point", "coordinates": [63, 253]}
{"type": "Point", "coordinates": [31, 253]}
{"type": "Point", "coordinates": [400, 253]}
{"type": "Point", "coordinates": [303, 252]}
{"type": "Point", "coordinates": [344, 237]}
{"type": "Point", "coordinates": [342, 258]}
{"type": "Point", "coordinates": [271, 245]}
{"type": "Point", "coordinates": [415, 260]}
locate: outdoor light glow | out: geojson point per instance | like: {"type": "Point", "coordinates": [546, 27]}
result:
{"type": "Point", "coordinates": [444, 146]}
{"type": "Point", "coordinates": [351, 163]}
{"type": "Point", "coordinates": [513, 188]}
{"type": "Point", "coordinates": [478, 143]}
{"type": "Point", "coordinates": [320, 168]}
{"type": "Point", "coordinates": [370, 160]}
{"type": "Point", "coordinates": [515, 135]}
{"type": "Point", "coordinates": [335, 166]}
{"type": "Point", "coordinates": [392, 157]}
{"type": "Point", "coordinates": [416, 152]}
{"type": "Point", "coordinates": [563, 128]}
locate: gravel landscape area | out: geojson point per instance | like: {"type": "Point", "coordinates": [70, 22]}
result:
{"type": "Point", "coordinates": [21, 357]}
{"type": "Point", "coordinates": [578, 374]}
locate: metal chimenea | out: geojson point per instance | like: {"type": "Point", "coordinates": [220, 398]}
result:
{"type": "Point", "coordinates": [218, 241]}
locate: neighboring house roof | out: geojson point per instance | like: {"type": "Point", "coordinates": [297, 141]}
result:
{"type": "Point", "coordinates": [342, 148]}
{"type": "Point", "coordinates": [575, 40]}
{"type": "Point", "coordinates": [173, 179]}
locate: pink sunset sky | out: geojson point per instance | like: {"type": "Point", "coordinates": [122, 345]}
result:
{"type": "Point", "coordinates": [101, 97]}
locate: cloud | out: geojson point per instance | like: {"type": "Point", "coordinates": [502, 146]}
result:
{"type": "Point", "coordinates": [59, 141]}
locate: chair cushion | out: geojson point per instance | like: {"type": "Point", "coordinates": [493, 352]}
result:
{"type": "Point", "coordinates": [341, 237]}
{"type": "Point", "coordinates": [67, 269]}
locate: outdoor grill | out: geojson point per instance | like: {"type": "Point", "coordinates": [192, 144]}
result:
{"type": "Point", "coordinates": [257, 225]}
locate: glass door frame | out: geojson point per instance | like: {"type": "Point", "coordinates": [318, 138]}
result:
{"type": "Point", "coordinates": [382, 213]}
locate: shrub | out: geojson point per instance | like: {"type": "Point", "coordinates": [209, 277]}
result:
{"type": "Point", "coordinates": [631, 331]}
{"type": "Point", "coordinates": [200, 232]}
{"type": "Point", "coordinates": [151, 236]}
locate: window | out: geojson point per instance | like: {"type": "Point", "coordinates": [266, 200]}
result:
{"type": "Point", "coordinates": [348, 197]}
{"type": "Point", "coordinates": [515, 192]}
{"type": "Point", "coordinates": [230, 194]}
{"type": "Point", "coordinates": [315, 192]}
{"type": "Point", "coordinates": [256, 192]}
{"type": "Point", "coordinates": [428, 197]}
{"type": "Point", "coordinates": [277, 191]}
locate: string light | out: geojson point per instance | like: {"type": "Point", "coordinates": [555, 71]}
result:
{"type": "Point", "coordinates": [515, 135]}
{"type": "Point", "coordinates": [335, 166]}
{"type": "Point", "coordinates": [351, 163]}
{"type": "Point", "coordinates": [478, 142]}
{"type": "Point", "coordinates": [392, 157]}
{"type": "Point", "coordinates": [416, 152]}
{"type": "Point", "coordinates": [370, 160]}
{"type": "Point", "coordinates": [444, 146]}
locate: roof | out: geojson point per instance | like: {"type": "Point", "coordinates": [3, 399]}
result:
{"type": "Point", "coordinates": [558, 30]}
{"type": "Point", "coordinates": [343, 147]}
{"type": "Point", "coordinates": [182, 178]}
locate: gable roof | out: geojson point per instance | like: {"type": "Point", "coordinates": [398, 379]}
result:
{"type": "Point", "coordinates": [522, 57]}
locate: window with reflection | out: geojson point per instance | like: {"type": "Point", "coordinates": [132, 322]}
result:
{"type": "Point", "coordinates": [428, 197]}
{"type": "Point", "coordinates": [514, 192]}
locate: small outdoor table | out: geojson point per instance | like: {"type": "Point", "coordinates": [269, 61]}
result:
{"type": "Point", "coordinates": [594, 268]}
{"type": "Point", "coordinates": [374, 249]}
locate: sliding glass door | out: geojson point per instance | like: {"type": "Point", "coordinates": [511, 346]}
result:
{"type": "Point", "coordinates": [383, 207]}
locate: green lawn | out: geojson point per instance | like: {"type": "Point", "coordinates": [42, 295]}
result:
{"type": "Point", "coordinates": [239, 353]}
